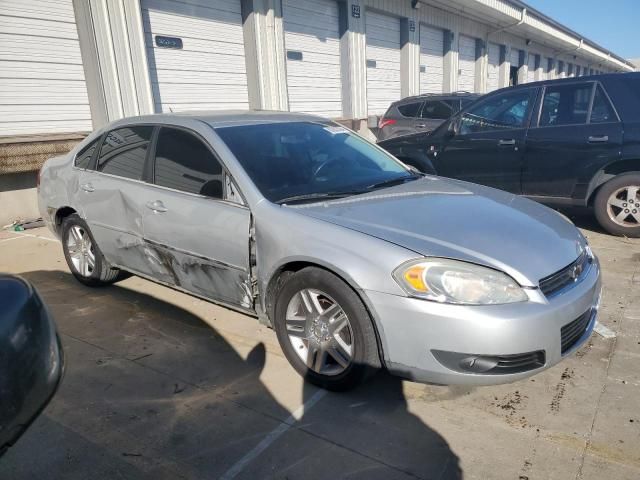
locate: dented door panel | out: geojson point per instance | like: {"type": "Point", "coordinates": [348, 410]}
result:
{"type": "Point", "coordinates": [110, 205]}
{"type": "Point", "coordinates": [198, 244]}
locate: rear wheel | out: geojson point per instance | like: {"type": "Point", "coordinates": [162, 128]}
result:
{"type": "Point", "coordinates": [617, 205]}
{"type": "Point", "coordinates": [83, 256]}
{"type": "Point", "coordinates": [324, 330]}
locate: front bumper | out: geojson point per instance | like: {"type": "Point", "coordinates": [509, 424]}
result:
{"type": "Point", "coordinates": [412, 329]}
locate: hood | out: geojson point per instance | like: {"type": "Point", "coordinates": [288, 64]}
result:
{"type": "Point", "coordinates": [454, 219]}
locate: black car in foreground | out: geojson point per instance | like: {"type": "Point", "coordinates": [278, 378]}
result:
{"type": "Point", "coordinates": [421, 113]}
{"type": "Point", "coordinates": [572, 141]}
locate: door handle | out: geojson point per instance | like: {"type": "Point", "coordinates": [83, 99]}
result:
{"type": "Point", "coordinates": [157, 206]}
{"type": "Point", "coordinates": [506, 143]}
{"type": "Point", "coordinates": [87, 187]}
{"type": "Point", "coordinates": [421, 125]}
{"type": "Point", "coordinates": [598, 139]}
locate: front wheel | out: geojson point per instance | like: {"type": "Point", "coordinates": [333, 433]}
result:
{"type": "Point", "coordinates": [617, 205]}
{"type": "Point", "coordinates": [324, 330]}
{"type": "Point", "coordinates": [83, 256]}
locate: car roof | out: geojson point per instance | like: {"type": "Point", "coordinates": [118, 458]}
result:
{"type": "Point", "coordinates": [437, 96]}
{"type": "Point", "coordinates": [583, 78]}
{"type": "Point", "coordinates": [224, 118]}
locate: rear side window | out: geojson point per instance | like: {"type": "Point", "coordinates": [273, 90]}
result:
{"type": "Point", "coordinates": [410, 109]}
{"type": "Point", "coordinates": [83, 158]}
{"type": "Point", "coordinates": [602, 111]}
{"type": "Point", "coordinates": [565, 105]}
{"type": "Point", "coordinates": [183, 162]}
{"type": "Point", "coordinates": [436, 110]}
{"type": "Point", "coordinates": [124, 151]}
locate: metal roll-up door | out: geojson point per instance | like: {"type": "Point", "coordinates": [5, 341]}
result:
{"type": "Point", "coordinates": [531, 68]}
{"type": "Point", "coordinates": [42, 83]}
{"type": "Point", "coordinates": [312, 43]}
{"type": "Point", "coordinates": [383, 61]}
{"type": "Point", "coordinates": [466, 63]}
{"type": "Point", "coordinates": [514, 57]}
{"type": "Point", "coordinates": [431, 59]}
{"type": "Point", "coordinates": [196, 54]}
{"type": "Point", "coordinates": [493, 67]}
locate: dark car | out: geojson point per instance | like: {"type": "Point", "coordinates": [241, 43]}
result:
{"type": "Point", "coordinates": [422, 113]}
{"type": "Point", "coordinates": [573, 141]}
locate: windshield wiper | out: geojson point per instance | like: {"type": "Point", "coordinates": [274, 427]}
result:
{"type": "Point", "coordinates": [394, 181]}
{"type": "Point", "coordinates": [317, 196]}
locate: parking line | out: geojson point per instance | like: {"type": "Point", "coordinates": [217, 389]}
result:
{"type": "Point", "coordinates": [273, 436]}
{"type": "Point", "coordinates": [30, 235]}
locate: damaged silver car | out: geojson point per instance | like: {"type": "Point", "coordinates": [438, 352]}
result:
{"type": "Point", "coordinates": [357, 261]}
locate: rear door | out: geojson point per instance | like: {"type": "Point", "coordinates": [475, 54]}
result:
{"type": "Point", "coordinates": [487, 147]}
{"type": "Point", "coordinates": [110, 192]}
{"type": "Point", "coordinates": [196, 233]}
{"type": "Point", "coordinates": [576, 132]}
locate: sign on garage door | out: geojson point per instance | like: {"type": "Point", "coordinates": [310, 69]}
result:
{"type": "Point", "coordinates": [383, 61]}
{"type": "Point", "coordinates": [466, 64]}
{"type": "Point", "coordinates": [209, 71]}
{"type": "Point", "coordinates": [312, 43]}
{"type": "Point", "coordinates": [431, 59]}
{"type": "Point", "coordinates": [493, 67]}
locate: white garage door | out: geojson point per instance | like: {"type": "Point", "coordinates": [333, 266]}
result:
{"type": "Point", "coordinates": [383, 61]}
{"type": "Point", "coordinates": [209, 71]}
{"type": "Point", "coordinates": [531, 68]}
{"type": "Point", "coordinates": [493, 67]}
{"type": "Point", "coordinates": [42, 84]}
{"type": "Point", "coordinates": [312, 42]}
{"type": "Point", "coordinates": [514, 57]}
{"type": "Point", "coordinates": [466, 64]}
{"type": "Point", "coordinates": [431, 59]}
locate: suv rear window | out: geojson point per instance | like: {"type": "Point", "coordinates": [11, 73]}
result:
{"type": "Point", "coordinates": [602, 111]}
{"type": "Point", "coordinates": [436, 109]}
{"type": "Point", "coordinates": [410, 109]}
{"type": "Point", "coordinates": [565, 104]}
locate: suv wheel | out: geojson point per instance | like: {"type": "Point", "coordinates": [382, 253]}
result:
{"type": "Point", "coordinates": [617, 205]}
{"type": "Point", "coordinates": [324, 330]}
{"type": "Point", "coordinates": [83, 256]}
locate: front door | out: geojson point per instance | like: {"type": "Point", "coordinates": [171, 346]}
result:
{"type": "Point", "coordinates": [576, 134]}
{"type": "Point", "coordinates": [195, 236]}
{"type": "Point", "coordinates": [109, 196]}
{"type": "Point", "coordinates": [487, 147]}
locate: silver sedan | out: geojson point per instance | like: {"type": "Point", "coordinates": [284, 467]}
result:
{"type": "Point", "coordinates": [357, 261]}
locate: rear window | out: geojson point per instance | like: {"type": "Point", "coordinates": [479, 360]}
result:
{"type": "Point", "coordinates": [602, 111]}
{"type": "Point", "coordinates": [410, 109]}
{"type": "Point", "coordinates": [124, 151]}
{"type": "Point", "coordinates": [436, 109]}
{"type": "Point", "coordinates": [565, 104]}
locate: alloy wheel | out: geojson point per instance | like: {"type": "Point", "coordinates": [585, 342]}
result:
{"type": "Point", "coordinates": [81, 250]}
{"type": "Point", "coordinates": [320, 332]}
{"type": "Point", "coordinates": [623, 206]}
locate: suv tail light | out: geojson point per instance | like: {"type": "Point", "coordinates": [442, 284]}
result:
{"type": "Point", "coordinates": [384, 122]}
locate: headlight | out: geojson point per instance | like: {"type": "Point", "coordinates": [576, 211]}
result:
{"type": "Point", "coordinates": [451, 281]}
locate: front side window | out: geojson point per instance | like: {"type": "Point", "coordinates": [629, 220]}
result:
{"type": "Point", "coordinates": [602, 111]}
{"type": "Point", "coordinates": [410, 110]}
{"type": "Point", "coordinates": [565, 105]}
{"type": "Point", "coordinates": [436, 110]}
{"type": "Point", "coordinates": [83, 158]}
{"type": "Point", "coordinates": [124, 151]}
{"type": "Point", "coordinates": [183, 162]}
{"type": "Point", "coordinates": [310, 159]}
{"type": "Point", "coordinates": [505, 111]}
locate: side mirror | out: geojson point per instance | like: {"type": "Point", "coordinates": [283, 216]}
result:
{"type": "Point", "coordinates": [31, 358]}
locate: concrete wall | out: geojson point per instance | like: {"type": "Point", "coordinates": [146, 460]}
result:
{"type": "Point", "coordinates": [18, 199]}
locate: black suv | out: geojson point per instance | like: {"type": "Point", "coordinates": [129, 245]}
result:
{"type": "Point", "coordinates": [573, 141]}
{"type": "Point", "coordinates": [422, 113]}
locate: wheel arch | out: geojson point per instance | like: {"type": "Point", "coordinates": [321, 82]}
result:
{"type": "Point", "coordinates": [609, 172]}
{"type": "Point", "coordinates": [60, 215]}
{"type": "Point", "coordinates": [291, 266]}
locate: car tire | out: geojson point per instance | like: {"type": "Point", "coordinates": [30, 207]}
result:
{"type": "Point", "coordinates": [84, 258]}
{"type": "Point", "coordinates": [325, 365]}
{"type": "Point", "coordinates": [613, 201]}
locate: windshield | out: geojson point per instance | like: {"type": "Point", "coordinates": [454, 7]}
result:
{"type": "Point", "coordinates": [310, 160]}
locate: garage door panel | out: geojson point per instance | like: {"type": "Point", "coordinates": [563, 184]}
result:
{"type": "Point", "coordinates": [210, 70]}
{"type": "Point", "coordinates": [314, 82]}
{"type": "Point", "coordinates": [466, 63]}
{"type": "Point", "coordinates": [38, 49]}
{"type": "Point", "coordinates": [493, 68]}
{"type": "Point", "coordinates": [45, 28]}
{"type": "Point", "coordinates": [531, 68]}
{"type": "Point", "coordinates": [383, 50]}
{"type": "Point", "coordinates": [432, 59]}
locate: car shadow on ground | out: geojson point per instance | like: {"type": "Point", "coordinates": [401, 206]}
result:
{"type": "Point", "coordinates": [153, 391]}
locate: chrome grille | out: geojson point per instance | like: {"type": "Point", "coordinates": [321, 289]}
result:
{"type": "Point", "coordinates": [569, 275]}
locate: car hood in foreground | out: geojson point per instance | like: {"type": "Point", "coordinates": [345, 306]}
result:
{"type": "Point", "coordinates": [449, 218]}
